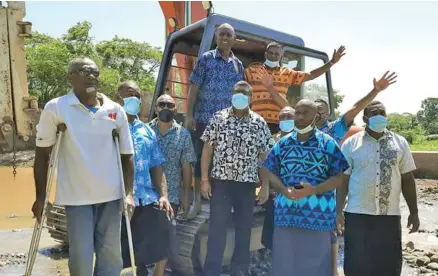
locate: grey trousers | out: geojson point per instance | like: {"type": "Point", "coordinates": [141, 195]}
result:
{"type": "Point", "coordinates": [226, 195]}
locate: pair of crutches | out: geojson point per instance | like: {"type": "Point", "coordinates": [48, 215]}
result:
{"type": "Point", "coordinates": [36, 236]}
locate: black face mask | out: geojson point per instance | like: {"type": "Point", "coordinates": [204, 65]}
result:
{"type": "Point", "coordinates": [166, 115]}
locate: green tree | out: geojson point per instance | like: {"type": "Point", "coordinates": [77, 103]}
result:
{"type": "Point", "coordinates": [118, 59]}
{"type": "Point", "coordinates": [313, 91]}
{"type": "Point", "coordinates": [428, 115]}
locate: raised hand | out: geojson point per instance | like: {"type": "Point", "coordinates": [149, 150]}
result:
{"type": "Point", "coordinates": [338, 54]}
{"type": "Point", "coordinates": [385, 81]}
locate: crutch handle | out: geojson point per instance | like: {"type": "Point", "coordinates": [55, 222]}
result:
{"type": "Point", "coordinates": [61, 128]}
{"type": "Point", "coordinates": [115, 134]}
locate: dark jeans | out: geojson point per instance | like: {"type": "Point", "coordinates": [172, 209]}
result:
{"type": "Point", "coordinates": [226, 195]}
{"type": "Point", "coordinates": [268, 223]}
{"type": "Point", "coordinates": [372, 245]}
{"type": "Point", "coordinates": [198, 144]}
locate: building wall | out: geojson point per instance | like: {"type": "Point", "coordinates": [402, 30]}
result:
{"type": "Point", "coordinates": [427, 164]}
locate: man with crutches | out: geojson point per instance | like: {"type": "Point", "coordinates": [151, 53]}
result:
{"type": "Point", "coordinates": [89, 180]}
{"type": "Point", "coordinates": [151, 221]}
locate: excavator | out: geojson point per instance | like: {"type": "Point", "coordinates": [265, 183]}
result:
{"type": "Point", "coordinates": [190, 28]}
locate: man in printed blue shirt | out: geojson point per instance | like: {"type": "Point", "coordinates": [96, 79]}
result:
{"type": "Point", "coordinates": [150, 223]}
{"type": "Point", "coordinates": [338, 129]}
{"type": "Point", "coordinates": [302, 234]}
{"type": "Point", "coordinates": [212, 81]}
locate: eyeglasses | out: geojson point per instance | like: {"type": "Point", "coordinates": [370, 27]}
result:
{"type": "Point", "coordinates": [88, 71]}
{"type": "Point", "coordinates": [164, 104]}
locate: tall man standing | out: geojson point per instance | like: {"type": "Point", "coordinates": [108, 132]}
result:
{"type": "Point", "coordinates": [236, 139]}
{"type": "Point", "coordinates": [212, 82]}
{"type": "Point", "coordinates": [302, 234]}
{"type": "Point", "coordinates": [88, 181]}
{"type": "Point", "coordinates": [271, 82]}
{"type": "Point", "coordinates": [150, 223]}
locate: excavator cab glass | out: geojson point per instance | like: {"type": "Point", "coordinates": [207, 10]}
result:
{"type": "Point", "coordinates": [184, 46]}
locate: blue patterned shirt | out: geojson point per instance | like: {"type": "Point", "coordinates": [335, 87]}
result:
{"type": "Point", "coordinates": [336, 129]}
{"type": "Point", "coordinates": [176, 145]}
{"type": "Point", "coordinates": [216, 78]}
{"type": "Point", "coordinates": [313, 161]}
{"type": "Point", "coordinates": [147, 155]}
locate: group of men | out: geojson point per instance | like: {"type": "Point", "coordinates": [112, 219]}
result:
{"type": "Point", "coordinates": [240, 132]}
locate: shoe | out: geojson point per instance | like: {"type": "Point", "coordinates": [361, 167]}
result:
{"type": "Point", "coordinates": [142, 270]}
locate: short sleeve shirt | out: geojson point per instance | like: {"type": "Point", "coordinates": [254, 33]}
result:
{"type": "Point", "coordinates": [147, 155]}
{"type": "Point", "coordinates": [262, 102]}
{"type": "Point", "coordinates": [237, 145]}
{"type": "Point", "coordinates": [313, 162]}
{"type": "Point", "coordinates": [336, 129]}
{"type": "Point", "coordinates": [216, 78]}
{"type": "Point", "coordinates": [376, 168]}
{"type": "Point", "coordinates": [87, 154]}
{"type": "Point", "coordinates": [177, 148]}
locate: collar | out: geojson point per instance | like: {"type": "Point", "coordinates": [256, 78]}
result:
{"type": "Point", "coordinates": [294, 135]}
{"type": "Point", "coordinates": [324, 125]}
{"type": "Point", "coordinates": [217, 54]}
{"type": "Point", "coordinates": [73, 99]}
{"type": "Point", "coordinates": [230, 112]}
{"type": "Point", "coordinates": [154, 125]}
{"type": "Point", "coordinates": [136, 120]}
{"type": "Point", "coordinates": [386, 134]}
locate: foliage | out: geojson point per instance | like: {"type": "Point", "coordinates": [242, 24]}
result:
{"type": "Point", "coordinates": [428, 115]}
{"type": "Point", "coordinates": [119, 59]}
{"type": "Point", "coordinates": [313, 91]}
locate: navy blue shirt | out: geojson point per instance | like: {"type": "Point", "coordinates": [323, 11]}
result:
{"type": "Point", "coordinates": [216, 78]}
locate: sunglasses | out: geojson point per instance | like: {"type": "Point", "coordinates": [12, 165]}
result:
{"type": "Point", "coordinates": [164, 104]}
{"type": "Point", "coordinates": [88, 71]}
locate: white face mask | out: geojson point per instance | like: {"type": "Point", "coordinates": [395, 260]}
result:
{"type": "Point", "coordinates": [307, 129]}
{"type": "Point", "coordinates": [272, 64]}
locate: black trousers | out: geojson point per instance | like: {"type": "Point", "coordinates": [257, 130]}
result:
{"type": "Point", "coordinates": [226, 195]}
{"type": "Point", "coordinates": [372, 245]}
{"type": "Point", "coordinates": [268, 223]}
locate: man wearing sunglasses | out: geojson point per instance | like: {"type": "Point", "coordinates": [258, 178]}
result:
{"type": "Point", "coordinates": [150, 223]}
{"type": "Point", "coordinates": [236, 140]}
{"type": "Point", "coordinates": [176, 145]}
{"type": "Point", "coordinates": [88, 180]}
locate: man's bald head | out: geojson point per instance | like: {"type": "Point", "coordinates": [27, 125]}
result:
{"type": "Point", "coordinates": [79, 62]}
{"type": "Point", "coordinates": [128, 85]}
{"type": "Point", "coordinates": [306, 113]}
{"type": "Point", "coordinates": [225, 37]}
{"type": "Point", "coordinates": [165, 98]}
{"type": "Point", "coordinates": [287, 113]}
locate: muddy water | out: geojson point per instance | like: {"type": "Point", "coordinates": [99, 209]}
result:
{"type": "Point", "coordinates": [16, 198]}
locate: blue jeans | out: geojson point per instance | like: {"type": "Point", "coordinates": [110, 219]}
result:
{"type": "Point", "coordinates": [94, 229]}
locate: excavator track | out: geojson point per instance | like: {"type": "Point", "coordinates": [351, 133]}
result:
{"type": "Point", "coordinates": [187, 232]}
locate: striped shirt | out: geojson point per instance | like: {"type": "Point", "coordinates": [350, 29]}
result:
{"type": "Point", "coordinates": [262, 102]}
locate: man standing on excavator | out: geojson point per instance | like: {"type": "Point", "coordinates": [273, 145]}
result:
{"type": "Point", "coordinates": [271, 82]}
{"type": "Point", "coordinates": [88, 180]}
{"type": "Point", "coordinates": [212, 81]}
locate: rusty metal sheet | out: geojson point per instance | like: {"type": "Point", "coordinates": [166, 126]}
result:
{"type": "Point", "coordinates": [5, 79]}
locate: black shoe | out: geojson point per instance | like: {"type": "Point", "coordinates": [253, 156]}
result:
{"type": "Point", "coordinates": [142, 270]}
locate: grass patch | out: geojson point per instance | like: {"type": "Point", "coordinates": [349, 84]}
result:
{"type": "Point", "coordinates": [424, 145]}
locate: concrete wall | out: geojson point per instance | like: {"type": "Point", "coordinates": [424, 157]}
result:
{"type": "Point", "coordinates": [427, 164]}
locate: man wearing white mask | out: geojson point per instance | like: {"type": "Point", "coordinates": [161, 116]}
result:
{"type": "Point", "coordinates": [271, 82]}
{"type": "Point", "coordinates": [287, 125]}
{"type": "Point", "coordinates": [302, 233]}
{"type": "Point", "coordinates": [236, 140]}
{"type": "Point", "coordinates": [150, 223]}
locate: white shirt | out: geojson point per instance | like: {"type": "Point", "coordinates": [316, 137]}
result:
{"type": "Point", "coordinates": [375, 172]}
{"type": "Point", "coordinates": [88, 171]}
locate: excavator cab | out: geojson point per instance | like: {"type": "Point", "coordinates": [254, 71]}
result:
{"type": "Point", "coordinates": [184, 46]}
{"type": "Point", "coordinates": [182, 49]}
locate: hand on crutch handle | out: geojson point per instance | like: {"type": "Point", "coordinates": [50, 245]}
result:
{"type": "Point", "coordinates": [39, 208]}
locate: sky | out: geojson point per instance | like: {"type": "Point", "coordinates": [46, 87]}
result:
{"type": "Point", "coordinates": [379, 36]}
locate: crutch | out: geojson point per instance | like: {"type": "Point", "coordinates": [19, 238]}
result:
{"type": "Point", "coordinates": [125, 203]}
{"type": "Point", "coordinates": [36, 236]}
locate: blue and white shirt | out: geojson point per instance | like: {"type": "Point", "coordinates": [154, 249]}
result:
{"type": "Point", "coordinates": [147, 155]}
{"type": "Point", "coordinates": [216, 78]}
{"type": "Point", "coordinates": [313, 162]}
{"type": "Point", "coordinates": [336, 129]}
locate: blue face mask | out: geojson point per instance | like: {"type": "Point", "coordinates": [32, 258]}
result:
{"type": "Point", "coordinates": [272, 64]}
{"type": "Point", "coordinates": [377, 123]}
{"type": "Point", "coordinates": [239, 101]}
{"type": "Point", "coordinates": [287, 125]}
{"type": "Point", "coordinates": [131, 105]}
